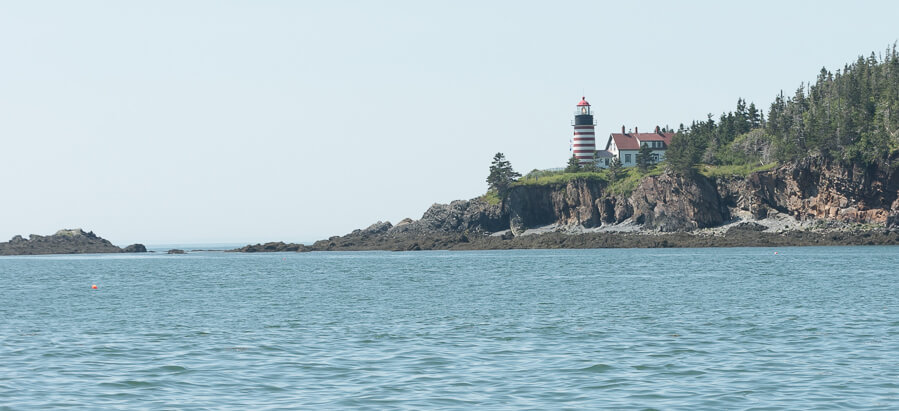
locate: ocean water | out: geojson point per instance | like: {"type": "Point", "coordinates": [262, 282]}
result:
{"type": "Point", "coordinates": [690, 329]}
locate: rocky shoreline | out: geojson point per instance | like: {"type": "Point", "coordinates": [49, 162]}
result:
{"type": "Point", "coordinates": [811, 202]}
{"type": "Point", "coordinates": [815, 201]}
{"type": "Point", "coordinates": [746, 234]}
{"type": "Point", "coordinates": [66, 241]}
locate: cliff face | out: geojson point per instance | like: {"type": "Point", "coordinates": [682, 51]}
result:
{"type": "Point", "coordinates": [820, 189]}
{"type": "Point", "coordinates": [75, 241]}
{"type": "Point", "coordinates": [674, 203]}
{"type": "Point", "coordinates": [573, 203]}
{"type": "Point", "coordinates": [813, 189]}
{"type": "Point", "coordinates": [810, 190]}
{"type": "Point", "coordinates": [666, 202]}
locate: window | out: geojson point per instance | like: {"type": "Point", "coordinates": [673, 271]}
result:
{"type": "Point", "coordinates": [607, 161]}
{"type": "Point", "coordinates": [627, 158]}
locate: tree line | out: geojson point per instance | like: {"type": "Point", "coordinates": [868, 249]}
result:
{"type": "Point", "coordinates": [851, 114]}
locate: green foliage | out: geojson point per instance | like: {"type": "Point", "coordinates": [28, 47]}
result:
{"type": "Point", "coordinates": [852, 114]}
{"type": "Point", "coordinates": [734, 169]}
{"type": "Point", "coordinates": [491, 198]}
{"type": "Point", "coordinates": [626, 181]}
{"type": "Point", "coordinates": [591, 167]}
{"type": "Point", "coordinates": [573, 165]}
{"type": "Point", "coordinates": [538, 174]}
{"type": "Point", "coordinates": [644, 158]}
{"type": "Point", "coordinates": [684, 152]}
{"type": "Point", "coordinates": [616, 169]}
{"type": "Point", "coordinates": [629, 180]}
{"type": "Point", "coordinates": [560, 177]}
{"type": "Point", "coordinates": [501, 175]}
{"type": "Point", "coordinates": [754, 147]}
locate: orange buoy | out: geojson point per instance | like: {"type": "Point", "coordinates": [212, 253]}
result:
{"type": "Point", "coordinates": [94, 286]}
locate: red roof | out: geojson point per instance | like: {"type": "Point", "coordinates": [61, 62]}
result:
{"type": "Point", "coordinates": [631, 141]}
{"type": "Point", "coordinates": [583, 102]}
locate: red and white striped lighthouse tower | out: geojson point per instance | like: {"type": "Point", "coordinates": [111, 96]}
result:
{"type": "Point", "coordinates": [584, 143]}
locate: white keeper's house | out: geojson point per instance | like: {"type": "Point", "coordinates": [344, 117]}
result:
{"type": "Point", "coordinates": [623, 145]}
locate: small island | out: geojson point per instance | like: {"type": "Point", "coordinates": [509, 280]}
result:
{"type": "Point", "coordinates": [66, 241]}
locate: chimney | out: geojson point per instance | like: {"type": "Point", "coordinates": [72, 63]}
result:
{"type": "Point", "coordinates": [622, 130]}
{"type": "Point", "coordinates": [636, 131]}
{"type": "Point", "coordinates": [657, 130]}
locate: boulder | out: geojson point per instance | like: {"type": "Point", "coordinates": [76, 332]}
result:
{"type": "Point", "coordinates": [135, 248]}
{"type": "Point", "coordinates": [746, 226]}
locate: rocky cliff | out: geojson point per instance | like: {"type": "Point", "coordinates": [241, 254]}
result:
{"type": "Point", "coordinates": [820, 189]}
{"type": "Point", "coordinates": [814, 190]}
{"type": "Point", "coordinates": [666, 202]}
{"type": "Point", "coordinates": [74, 241]}
{"type": "Point", "coordinates": [855, 201]}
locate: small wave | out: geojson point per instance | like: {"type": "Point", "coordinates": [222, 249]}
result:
{"type": "Point", "coordinates": [129, 384]}
{"type": "Point", "coordinates": [597, 368]}
{"type": "Point", "coordinates": [171, 368]}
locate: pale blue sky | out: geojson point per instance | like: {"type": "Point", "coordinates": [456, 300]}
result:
{"type": "Point", "coordinates": [227, 121]}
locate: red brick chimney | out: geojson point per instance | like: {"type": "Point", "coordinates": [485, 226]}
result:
{"type": "Point", "coordinates": [657, 130]}
{"type": "Point", "coordinates": [636, 131]}
{"type": "Point", "coordinates": [622, 129]}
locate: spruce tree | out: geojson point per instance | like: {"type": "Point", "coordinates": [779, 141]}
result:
{"type": "Point", "coordinates": [574, 165]}
{"type": "Point", "coordinates": [682, 154]}
{"type": "Point", "coordinates": [501, 175]}
{"type": "Point", "coordinates": [754, 119]}
{"type": "Point", "coordinates": [644, 158]}
{"type": "Point", "coordinates": [616, 169]}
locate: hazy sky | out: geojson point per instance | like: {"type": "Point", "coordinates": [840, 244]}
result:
{"type": "Point", "coordinates": [226, 121]}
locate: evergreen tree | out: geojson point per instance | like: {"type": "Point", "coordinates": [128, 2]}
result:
{"type": "Point", "coordinates": [742, 122]}
{"type": "Point", "coordinates": [848, 114]}
{"type": "Point", "coordinates": [683, 153]}
{"type": "Point", "coordinates": [501, 175]}
{"type": "Point", "coordinates": [591, 166]}
{"type": "Point", "coordinates": [755, 120]}
{"type": "Point", "coordinates": [616, 169]}
{"type": "Point", "coordinates": [644, 158]}
{"type": "Point", "coordinates": [574, 165]}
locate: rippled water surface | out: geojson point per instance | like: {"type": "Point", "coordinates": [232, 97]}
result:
{"type": "Point", "coordinates": [740, 328]}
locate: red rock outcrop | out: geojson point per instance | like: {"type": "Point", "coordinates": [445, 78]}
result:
{"type": "Point", "coordinates": [822, 189]}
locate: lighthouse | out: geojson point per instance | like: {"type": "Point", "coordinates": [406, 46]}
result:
{"type": "Point", "coordinates": [584, 143]}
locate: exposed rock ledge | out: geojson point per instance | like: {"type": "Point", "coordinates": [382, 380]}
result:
{"type": "Point", "coordinates": [271, 247]}
{"type": "Point", "coordinates": [811, 202]}
{"type": "Point", "coordinates": [66, 241]}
